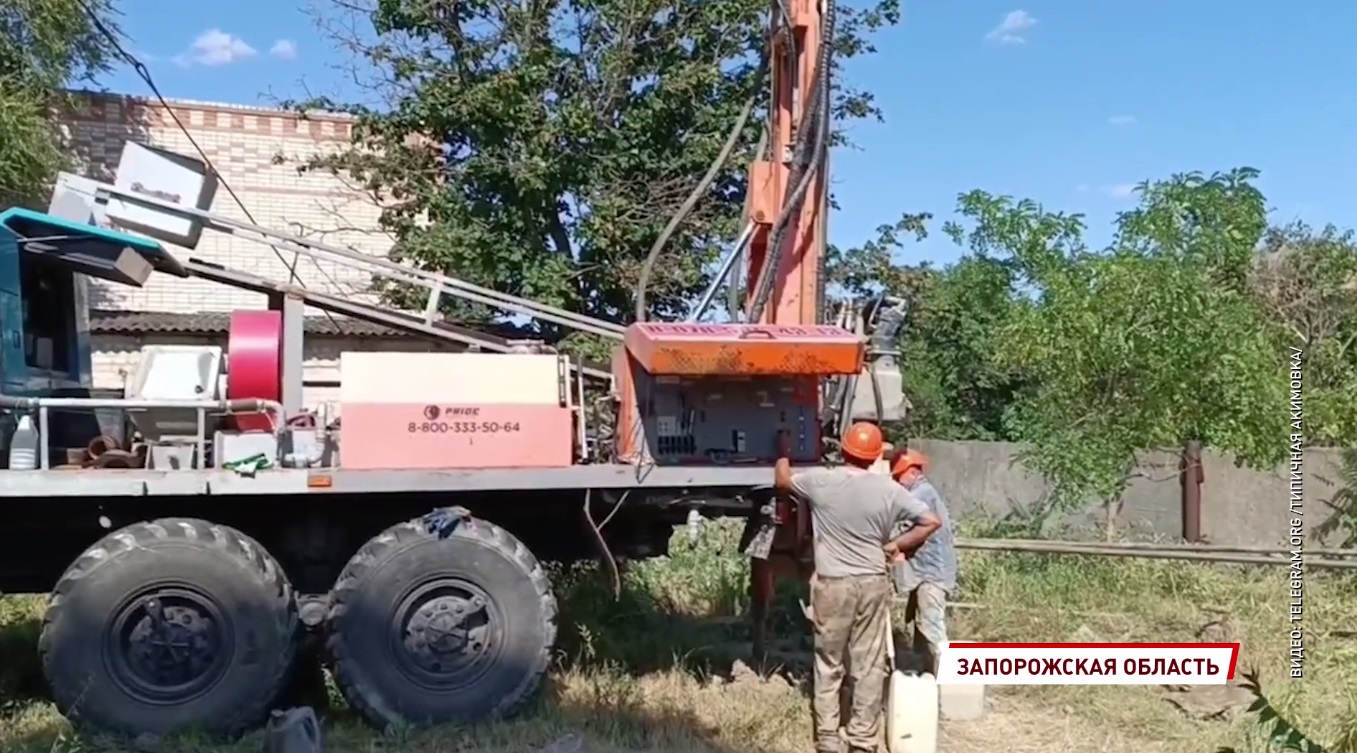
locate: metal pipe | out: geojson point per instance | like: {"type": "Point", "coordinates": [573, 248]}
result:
{"type": "Point", "coordinates": [42, 404]}
{"type": "Point", "coordinates": [1191, 478]}
{"type": "Point", "coordinates": [252, 405]}
{"type": "Point", "coordinates": [309, 247]}
{"type": "Point", "coordinates": [722, 273]}
{"type": "Point", "coordinates": [1061, 547]}
{"type": "Point", "coordinates": [101, 444]}
{"type": "Point", "coordinates": [1132, 546]}
{"type": "Point", "coordinates": [500, 301]}
{"type": "Point", "coordinates": [582, 433]}
{"type": "Point", "coordinates": [44, 451]}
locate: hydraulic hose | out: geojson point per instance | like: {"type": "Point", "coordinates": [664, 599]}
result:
{"type": "Point", "coordinates": [686, 208]}
{"type": "Point", "coordinates": [816, 124]}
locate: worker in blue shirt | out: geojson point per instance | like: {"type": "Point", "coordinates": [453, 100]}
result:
{"type": "Point", "coordinates": [928, 577]}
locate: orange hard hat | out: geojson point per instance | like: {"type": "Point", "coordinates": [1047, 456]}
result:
{"type": "Point", "coordinates": [906, 459]}
{"type": "Point", "coordinates": [863, 441]}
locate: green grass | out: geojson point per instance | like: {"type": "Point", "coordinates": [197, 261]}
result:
{"type": "Point", "coordinates": [651, 671]}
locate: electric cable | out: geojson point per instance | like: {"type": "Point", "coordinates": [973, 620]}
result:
{"type": "Point", "coordinates": [686, 208]}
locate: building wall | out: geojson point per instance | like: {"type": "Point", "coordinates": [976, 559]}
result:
{"type": "Point", "coordinates": [257, 151]}
{"type": "Point", "coordinates": [116, 357]}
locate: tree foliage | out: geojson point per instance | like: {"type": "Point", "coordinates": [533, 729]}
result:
{"type": "Point", "coordinates": [1090, 356]}
{"type": "Point", "coordinates": [540, 147]}
{"type": "Point", "coordinates": [1145, 344]}
{"type": "Point", "coordinates": [1282, 735]}
{"type": "Point", "coordinates": [45, 46]}
{"type": "Point", "coordinates": [955, 317]}
{"type": "Point", "coordinates": [1306, 280]}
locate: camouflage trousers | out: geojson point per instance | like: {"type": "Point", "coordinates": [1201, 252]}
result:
{"type": "Point", "coordinates": [927, 612]}
{"type": "Point", "coordinates": [850, 618]}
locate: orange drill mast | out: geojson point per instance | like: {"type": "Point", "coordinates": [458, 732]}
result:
{"type": "Point", "coordinates": [788, 199]}
{"type": "Point", "coordinates": [766, 373]}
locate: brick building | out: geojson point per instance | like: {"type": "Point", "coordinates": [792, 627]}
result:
{"type": "Point", "coordinates": [256, 150]}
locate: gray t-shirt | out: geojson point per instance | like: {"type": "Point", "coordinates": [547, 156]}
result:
{"type": "Point", "coordinates": [854, 512]}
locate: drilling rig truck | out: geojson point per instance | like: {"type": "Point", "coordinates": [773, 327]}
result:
{"type": "Point", "coordinates": [192, 529]}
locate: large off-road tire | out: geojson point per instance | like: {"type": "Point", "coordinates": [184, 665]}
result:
{"type": "Point", "coordinates": [170, 625]}
{"type": "Point", "coordinates": [433, 626]}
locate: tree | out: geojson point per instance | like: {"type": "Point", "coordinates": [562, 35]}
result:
{"type": "Point", "coordinates": [540, 147]}
{"type": "Point", "coordinates": [45, 46]}
{"type": "Point", "coordinates": [1146, 344]}
{"type": "Point", "coordinates": [1306, 279]}
{"type": "Point", "coordinates": [948, 342]}
{"type": "Point", "coordinates": [959, 388]}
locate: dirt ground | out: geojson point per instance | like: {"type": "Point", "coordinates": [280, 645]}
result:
{"type": "Point", "coordinates": [673, 711]}
{"type": "Point", "coordinates": [666, 668]}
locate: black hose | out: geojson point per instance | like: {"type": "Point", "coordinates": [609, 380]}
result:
{"type": "Point", "coordinates": [817, 121]}
{"type": "Point", "coordinates": [876, 394]}
{"type": "Point", "coordinates": [732, 139]}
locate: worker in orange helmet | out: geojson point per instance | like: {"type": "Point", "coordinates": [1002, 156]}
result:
{"type": "Point", "coordinates": [929, 576]}
{"type": "Point", "coordinates": [853, 514]}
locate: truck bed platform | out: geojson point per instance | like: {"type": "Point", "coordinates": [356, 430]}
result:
{"type": "Point", "coordinates": [285, 482]}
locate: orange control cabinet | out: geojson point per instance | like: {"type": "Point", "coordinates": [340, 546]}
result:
{"type": "Point", "coordinates": [673, 349]}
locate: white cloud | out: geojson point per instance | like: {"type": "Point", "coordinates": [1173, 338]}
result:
{"type": "Point", "coordinates": [1122, 120]}
{"type": "Point", "coordinates": [216, 47]}
{"type": "Point", "coordinates": [1013, 29]}
{"type": "Point", "coordinates": [284, 48]}
{"type": "Point", "coordinates": [1120, 190]}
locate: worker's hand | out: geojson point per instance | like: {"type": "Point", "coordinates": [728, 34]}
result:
{"type": "Point", "coordinates": [892, 551]}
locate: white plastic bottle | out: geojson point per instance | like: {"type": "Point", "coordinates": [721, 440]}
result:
{"type": "Point", "coordinates": [23, 446]}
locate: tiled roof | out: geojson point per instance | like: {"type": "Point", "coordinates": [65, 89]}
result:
{"type": "Point", "coordinates": [168, 322]}
{"type": "Point", "coordinates": [208, 105]}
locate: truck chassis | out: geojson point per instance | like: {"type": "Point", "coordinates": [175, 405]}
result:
{"type": "Point", "coordinates": [426, 586]}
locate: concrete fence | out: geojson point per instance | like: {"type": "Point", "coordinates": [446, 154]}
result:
{"type": "Point", "coordinates": [1239, 506]}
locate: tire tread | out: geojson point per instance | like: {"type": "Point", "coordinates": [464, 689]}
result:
{"type": "Point", "coordinates": [410, 532]}
{"type": "Point", "coordinates": [235, 544]}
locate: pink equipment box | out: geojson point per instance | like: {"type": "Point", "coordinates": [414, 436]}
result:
{"type": "Point", "coordinates": [422, 436]}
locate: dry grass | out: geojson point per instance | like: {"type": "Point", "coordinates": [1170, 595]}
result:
{"type": "Point", "coordinates": [652, 672]}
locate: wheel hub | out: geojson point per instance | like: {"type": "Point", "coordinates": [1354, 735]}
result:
{"type": "Point", "coordinates": [169, 645]}
{"type": "Point", "coordinates": [446, 633]}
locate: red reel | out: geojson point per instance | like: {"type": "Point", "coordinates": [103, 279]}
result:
{"type": "Point", "coordinates": [254, 364]}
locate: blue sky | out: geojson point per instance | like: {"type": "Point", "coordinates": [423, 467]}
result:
{"type": "Point", "coordinates": [1068, 103]}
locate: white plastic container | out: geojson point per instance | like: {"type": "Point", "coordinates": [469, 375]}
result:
{"type": "Point", "coordinates": [23, 446]}
{"type": "Point", "coordinates": [911, 707]}
{"type": "Point", "coordinates": [912, 713]}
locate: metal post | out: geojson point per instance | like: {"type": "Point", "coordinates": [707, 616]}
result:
{"type": "Point", "coordinates": [200, 444]}
{"type": "Point", "coordinates": [1192, 477]}
{"type": "Point", "coordinates": [294, 324]}
{"type": "Point", "coordinates": [44, 439]}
